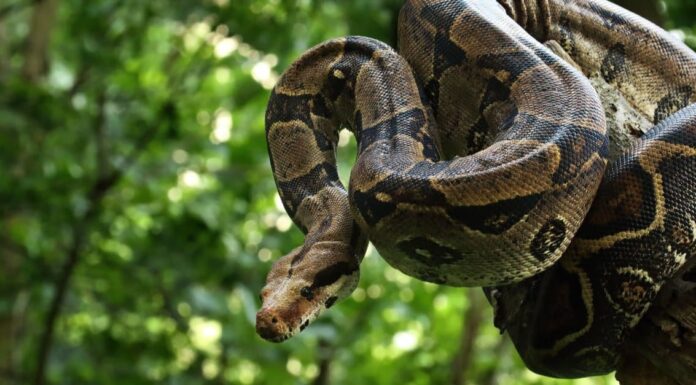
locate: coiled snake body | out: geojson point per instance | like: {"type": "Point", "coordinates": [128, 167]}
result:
{"type": "Point", "coordinates": [480, 157]}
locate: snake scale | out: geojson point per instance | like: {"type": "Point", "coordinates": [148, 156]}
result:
{"type": "Point", "coordinates": [484, 160]}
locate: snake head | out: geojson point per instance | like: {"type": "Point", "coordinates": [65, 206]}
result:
{"type": "Point", "coordinates": [302, 284]}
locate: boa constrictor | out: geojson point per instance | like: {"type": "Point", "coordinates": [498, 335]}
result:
{"type": "Point", "coordinates": [480, 157]}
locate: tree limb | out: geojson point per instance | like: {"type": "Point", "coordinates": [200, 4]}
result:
{"type": "Point", "coordinates": [473, 316]}
{"type": "Point", "coordinates": [325, 352]}
{"type": "Point", "coordinates": [41, 25]}
{"type": "Point", "coordinates": [662, 349]}
{"type": "Point", "coordinates": [102, 185]}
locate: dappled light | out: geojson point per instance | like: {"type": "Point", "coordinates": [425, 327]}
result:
{"type": "Point", "coordinates": [140, 216]}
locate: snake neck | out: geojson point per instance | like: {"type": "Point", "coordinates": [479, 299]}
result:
{"type": "Point", "coordinates": [313, 99]}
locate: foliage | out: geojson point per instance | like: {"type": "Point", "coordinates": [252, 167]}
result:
{"type": "Point", "coordinates": [136, 183]}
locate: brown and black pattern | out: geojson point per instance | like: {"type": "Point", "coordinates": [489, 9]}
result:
{"type": "Point", "coordinates": [638, 233]}
{"type": "Point", "coordinates": [480, 153]}
{"type": "Point", "coordinates": [640, 227]}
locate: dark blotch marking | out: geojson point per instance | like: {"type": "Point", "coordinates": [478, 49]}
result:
{"type": "Point", "coordinates": [323, 143]}
{"type": "Point", "coordinates": [672, 102]}
{"type": "Point", "coordinates": [414, 188]}
{"type": "Point", "coordinates": [443, 14]}
{"type": "Point", "coordinates": [431, 276]}
{"type": "Point", "coordinates": [631, 292]}
{"type": "Point", "coordinates": [561, 309]}
{"type": "Point", "coordinates": [548, 239]}
{"type": "Point", "coordinates": [357, 52]}
{"type": "Point", "coordinates": [577, 144]}
{"type": "Point", "coordinates": [495, 92]}
{"type": "Point", "coordinates": [614, 64]}
{"type": "Point", "coordinates": [428, 252]}
{"type": "Point", "coordinates": [358, 241]}
{"type": "Point", "coordinates": [283, 108]}
{"type": "Point", "coordinates": [447, 54]}
{"type": "Point", "coordinates": [610, 19]}
{"type": "Point", "coordinates": [432, 91]}
{"type": "Point", "coordinates": [321, 107]}
{"type": "Point", "coordinates": [334, 86]}
{"type": "Point", "coordinates": [330, 302]}
{"type": "Point", "coordinates": [477, 137]}
{"type": "Point", "coordinates": [514, 63]}
{"type": "Point", "coordinates": [357, 125]}
{"type": "Point", "coordinates": [304, 325]}
{"type": "Point", "coordinates": [359, 45]}
{"type": "Point", "coordinates": [494, 218]}
{"type": "Point", "coordinates": [481, 133]}
{"type": "Point", "coordinates": [332, 273]}
{"type": "Point", "coordinates": [625, 201]}
{"type": "Point", "coordinates": [408, 123]}
{"type": "Point", "coordinates": [370, 208]}
{"type": "Point", "coordinates": [294, 191]}
{"type": "Point", "coordinates": [678, 185]}
{"type": "Point", "coordinates": [323, 226]}
{"type": "Point", "coordinates": [546, 56]}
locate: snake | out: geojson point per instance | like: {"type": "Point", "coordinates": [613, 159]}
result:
{"type": "Point", "coordinates": [485, 158]}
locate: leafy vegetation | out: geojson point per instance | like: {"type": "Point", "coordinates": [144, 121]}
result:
{"type": "Point", "coordinates": [139, 215]}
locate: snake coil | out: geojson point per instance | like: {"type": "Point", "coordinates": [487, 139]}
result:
{"type": "Point", "coordinates": [484, 160]}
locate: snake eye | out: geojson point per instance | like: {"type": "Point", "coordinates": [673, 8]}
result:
{"type": "Point", "coordinates": [307, 293]}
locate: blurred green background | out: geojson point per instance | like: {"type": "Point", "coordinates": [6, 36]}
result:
{"type": "Point", "coordinates": [138, 214]}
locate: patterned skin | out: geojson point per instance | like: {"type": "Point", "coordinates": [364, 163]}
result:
{"type": "Point", "coordinates": [480, 152]}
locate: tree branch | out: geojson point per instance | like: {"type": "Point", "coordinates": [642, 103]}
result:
{"type": "Point", "coordinates": [36, 54]}
{"type": "Point", "coordinates": [325, 352]}
{"type": "Point", "coordinates": [471, 324]}
{"type": "Point", "coordinates": [662, 348]}
{"type": "Point", "coordinates": [500, 350]}
{"type": "Point", "coordinates": [102, 185]}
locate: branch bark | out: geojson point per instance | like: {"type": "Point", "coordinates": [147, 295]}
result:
{"type": "Point", "coordinates": [10, 319]}
{"type": "Point", "coordinates": [325, 352]}
{"type": "Point", "coordinates": [662, 349]}
{"type": "Point", "coordinates": [501, 350]}
{"type": "Point", "coordinates": [41, 25]}
{"type": "Point", "coordinates": [472, 318]}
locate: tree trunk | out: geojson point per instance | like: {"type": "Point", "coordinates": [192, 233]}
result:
{"type": "Point", "coordinates": [472, 319]}
{"type": "Point", "coordinates": [662, 349]}
{"type": "Point", "coordinates": [13, 313]}
{"type": "Point", "coordinates": [36, 55]}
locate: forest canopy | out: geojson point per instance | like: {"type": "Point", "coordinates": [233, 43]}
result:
{"type": "Point", "coordinates": [139, 214]}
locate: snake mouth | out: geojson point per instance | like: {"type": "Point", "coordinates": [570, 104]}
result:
{"type": "Point", "coordinates": [271, 327]}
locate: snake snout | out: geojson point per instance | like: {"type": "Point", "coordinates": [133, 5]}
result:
{"type": "Point", "coordinates": [270, 327]}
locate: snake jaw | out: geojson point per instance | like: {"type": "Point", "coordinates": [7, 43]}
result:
{"type": "Point", "coordinates": [287, 313]}
{"type": "Point", "coordinates": [301, 286]}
